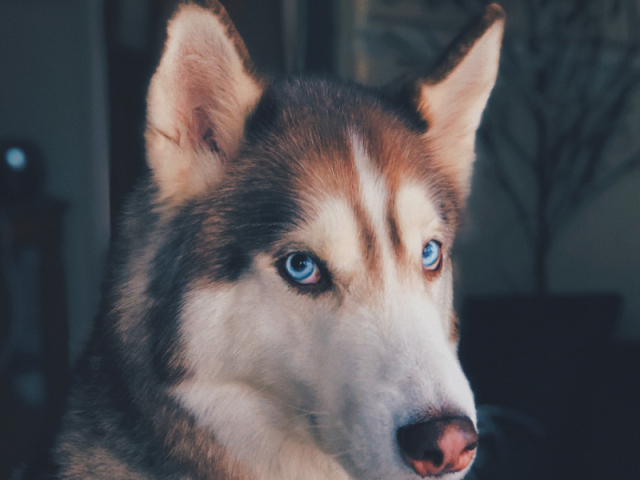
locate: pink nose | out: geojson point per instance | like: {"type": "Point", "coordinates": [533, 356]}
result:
{"type": "Point", "coordinates": [440, 445]}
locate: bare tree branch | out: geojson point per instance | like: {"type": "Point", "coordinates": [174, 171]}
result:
{"type": "Point", "coordinates": [566, 86]}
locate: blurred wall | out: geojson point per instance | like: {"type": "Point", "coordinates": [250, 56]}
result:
{"type": "Point", "coordinates": [52, 91]}
{"type": "Point", "coordinates": [596, 252]}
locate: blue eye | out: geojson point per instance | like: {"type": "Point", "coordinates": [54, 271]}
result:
{"type": "Point", "coordinates": [431, 255]}
{"type": "Point", "coordinates": [302, 268]}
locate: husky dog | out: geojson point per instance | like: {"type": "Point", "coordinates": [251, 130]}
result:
{"type": "Point", "coordinates": [279, 303]}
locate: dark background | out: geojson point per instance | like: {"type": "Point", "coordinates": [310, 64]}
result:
{"type": "Point", "coordinates": [556, 369]}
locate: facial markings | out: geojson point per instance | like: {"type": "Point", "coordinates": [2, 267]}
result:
{"type": "Point", "coordinates": [418, 220]}
{"type": "Point", "coordinates": [369, 207]}
{"type": "Point", "coordinates": [346, 216]}
{"type": "Point", "coordinates": [397, 217]}
{"type": "Point", "coordinates": [399, 157]}
{"type": "Point", "coordinates": [396, 155]}
{"type": "Point", "coordinates": [333, 235]}
{"type": "Point", "coordinates": [394, 230]}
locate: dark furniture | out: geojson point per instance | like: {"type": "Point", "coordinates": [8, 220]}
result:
{"type": "Point", "coordinates": [33, 328]}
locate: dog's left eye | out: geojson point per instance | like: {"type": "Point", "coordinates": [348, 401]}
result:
{"type": "Point", "coordinates": [301, 268]}
{"type": "Point", "coordinates": [431, 256]}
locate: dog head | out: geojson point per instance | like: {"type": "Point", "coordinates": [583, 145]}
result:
{"type": "Point", "coordinates": [308, 254]}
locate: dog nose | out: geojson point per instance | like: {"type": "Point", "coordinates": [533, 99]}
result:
{"type": "Point", "coordinates": [439, 445]}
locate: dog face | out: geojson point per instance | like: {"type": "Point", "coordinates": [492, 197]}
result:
{"type": "Point", "coordinates": [315, 320]}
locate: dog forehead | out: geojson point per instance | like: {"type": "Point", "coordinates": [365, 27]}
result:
{"type": "Point", "coordinates": [321, 161]}
{"type": "Point", "coordinates": [331, 230]}
{"type": "Point", "coordinates": [306, 128]}
{"type": "Point", "coordinates": [354, 219]}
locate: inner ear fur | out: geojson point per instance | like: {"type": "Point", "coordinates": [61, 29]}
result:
{"type": "Point", "coordinates": [199, 98]}
{"type": "Point", "coordinates": [452, 98]}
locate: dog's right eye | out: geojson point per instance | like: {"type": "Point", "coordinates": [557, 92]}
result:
{"type": "Point", "coordinates": [304, 272]}
{"type": "Point", "coordinates": [302, 269]}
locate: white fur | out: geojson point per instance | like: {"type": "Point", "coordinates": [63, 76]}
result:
{"type": "Point", "coordinates": [373, 191]}
{"type": "Point", "coordinates": [420, 222]}
{"type": "Point", "coordinates": [333, 235]}
{"type": "Point", "coordinates": [314, 388]}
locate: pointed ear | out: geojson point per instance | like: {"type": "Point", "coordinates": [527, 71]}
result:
{"type": "Point", "coordinates": [198, 101]}
{"type": "Point", "coordinates": [451, 100]}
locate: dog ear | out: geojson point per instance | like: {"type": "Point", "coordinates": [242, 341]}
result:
{"type": "Point", "coordinates": [451, 100]}
{"type": "Point", "coordinates": [198, 101]}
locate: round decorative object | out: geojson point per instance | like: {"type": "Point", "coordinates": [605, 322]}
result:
{"type": "Point", "coordinates": [21, 171]}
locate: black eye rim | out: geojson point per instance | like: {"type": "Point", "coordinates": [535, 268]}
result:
{"type": "Point", "coordinates": [325, 283]}
{"type": "Point", "coordinates": [437, 266]}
